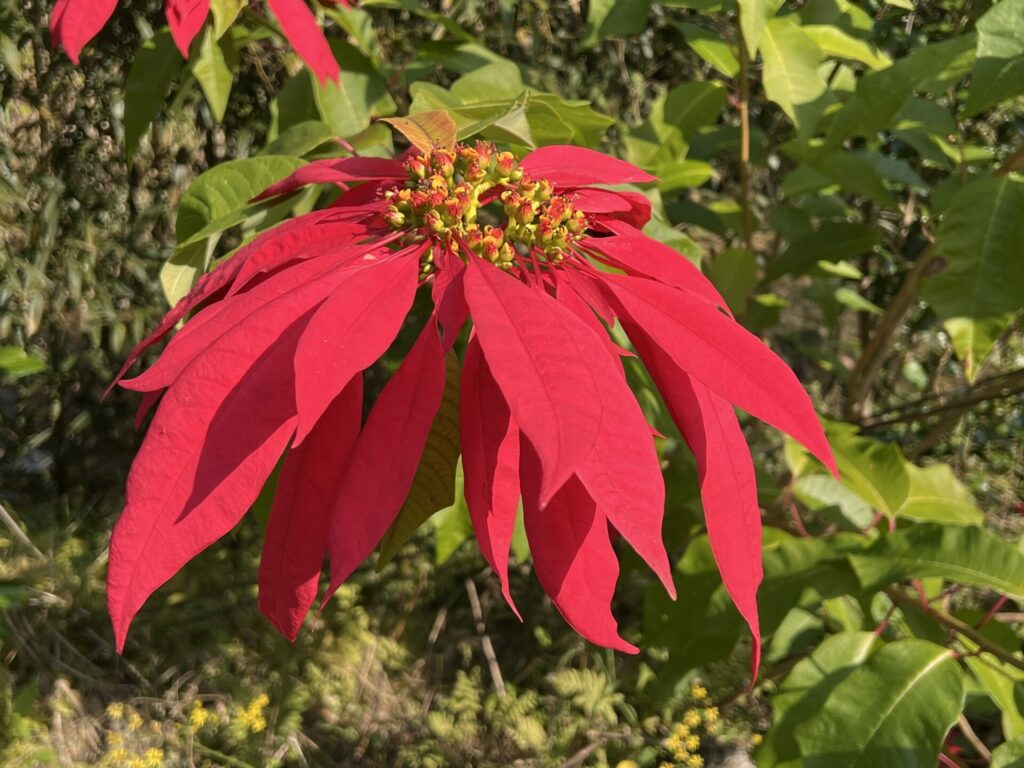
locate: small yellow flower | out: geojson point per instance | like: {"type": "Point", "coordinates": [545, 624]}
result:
{"type": "Point", "coordinates": [695, 761]}
{"type": "Point", "coordinates": [711, 715]}
{"type": "Point", "coordinates": [666, 764]}
{"type": "Point", "coordinates": [134, 721]}
{"type": "Point", "coordinates": [627, 764]}
{"type": "Point", "coordinates": [198, 717]}
{"type": "Point", "coordinates": [115, 739]}
{"type": "Point", "coordinates": [153, 758]}
{"type": "Point", "coordinates": [756, 739]}
{"type": "Point", "coordinates": [680, 755]}
{"type": "Point", "coordinates": [698, 691]}
{"type": "Point", "coordinates": [115, 711]}
{"type": "Point", "coordinates": [691, 718]}
{"type": "Point", "coordinates": [692, 742]}
{"type": "Point", "coordinates": [117, 756]}
{"type": "Point", "coordinates": [672, 742]}
{"type": "Point", "coordinates": [681, 731]}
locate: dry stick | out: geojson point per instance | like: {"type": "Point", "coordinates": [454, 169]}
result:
{"type": "Point", "coordinates": [8, 519]}
{"type": "Point", "coordinates": [972, 737]}
{"type": "Point", "coordinates": [953, 623]}
{"type": "Point", "coordinates": [485, 639]}
{"type": "Point", "coordinates": [873, 355]}
{"type": "Point", "coordinates": [744, 107]}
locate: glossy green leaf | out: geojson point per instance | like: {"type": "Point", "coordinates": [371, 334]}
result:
{"type": "Point", "coordinates": [224, 13]}
{"type": "Point", "coordinates": [620, 18]}
{"type": "Point", "coordinates": [734, 273]}
{"type": "Point", "coordinates": [980, 238]}
{"type": "Point", "coordinates": [937, 496]}
{"type": "Point", "coordinates": [998, 73]}
{"type": "Point", "coordinates": [16, 362]}
{"type": "Point", "coordinates": [1008, 755]}
{"type": "Point", "coordinates": [149, 80]}
{"type": "Point", "coordinates": [214, 68]}
{"type": "Point", "coordinates": [833, 241]}
{"type": "Point", "coordinates": [710, 46]}
{"type": "Point", "coordinates": [964, 554]}
{"type": "Point", "coordinates": [300, 139]}
{"type": "Point", "coordinates": [433, 486]}
{"type": "Point", "coordinates": [791, 76]}
{"type": "Point", "coordinates": [804, 691]}
{"type": "Point", "coordinates": [452, 525]}
{"type": "Point", "coordinates": [873, 470]}
{"type": "Point", "coordinates": [754, 15]}
{"type": "Point", "coordinates": [893, 711]}
{"type": "Point", "coordinates": [835, 42]}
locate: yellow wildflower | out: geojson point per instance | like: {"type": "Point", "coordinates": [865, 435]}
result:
{"type": "Point", "coordinates": [115, 710]}
{"type": "Point", "coordinates": [698, 691]}
{"type": "Point", "coordinates": [680, 754]}
{"type": "Point", "coordinates": [692, 742]}
{"type": "Point", "coordinates": [153, 758]}
{"type": "Point", "coordinates": [198, 717]}
{"type": "Point", "coordinates": [252, 716]}
{"type": "Point", "coordinates": [691, 718]}
{"type": "Point", "coordinates": [711, 715]}
{"type": "Point", "coordinates": [115, 739]}
{"type": "Point", "coordinates": [756, 739]}
{"type": "Point", "coordinates": [627, 764]}
{"type": "Point", "coordinates": [117, 756]}
{"type": "Point", "coordinates": [134, 721]}
{"type": "Point", "coordinates": [695, 761]}
{"type": "Point", "coordinates": [681, 731]}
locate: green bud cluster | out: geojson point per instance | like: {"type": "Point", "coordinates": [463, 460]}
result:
{"type": "Point", "coordinates": [447, 188]}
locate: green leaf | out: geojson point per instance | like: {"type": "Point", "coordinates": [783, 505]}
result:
{"type": "Point", "coordinates": [821, 492]}
{"type": "Point", "coordinates": [964, 554]}
{"type": "Point", "coordinates": [180, 272]}
{"type": "Point", "coordinates": [834, 42]}
{"type": "Point", "coordinates": [833, 241]}
{"type": "Point", "coordinates": [16, 362]}
{"type": "Point", "coordinates": [224, 13]}
{"type": "Point", "coordinates": [452, 525]}
{"type": "Point", "coordinates": [214, 67]}
{"type": "Point", "coordinates": [804, 691]}
{"type": "Point", "coordinates": [300, 139]}
{"type": "Point", "coordinates": [850, 299]}
{"type": "Point", "coordinates": [937, 496]}
{"type": "Point", "coordinates": [998, 73]}
{"type": "Point", "coordinates": [734, 273]}
{"type": "Point", "coordinates": [873, 470]}
{"type": "Point", "coordinates": [620, 18]}
{"type": "Point", "coordinates": [1008, 755]}
{"type": "Point", "coordinates": [710, 46]}
{"type": "Point", "coordinates": [754, 16]}
{"type": "Point", "coordinates": [433, 487]}
{"type": "Point", "coordinates": [891, 712]}
{"type": "Point", "coordinates": [791, 76]}
{"type": "Point", "coordinates": [1003, 684]}
{"type": "Point", "coordinates": [349, 104]}
{"type": "Point", "coordinates": [227, 188]}
{"type": "Point", "coordinates": [981, 238]}
{"type": "Point", "coordinates": [683, 174]}
{"type": "Point", "coordinates": [149, 80]}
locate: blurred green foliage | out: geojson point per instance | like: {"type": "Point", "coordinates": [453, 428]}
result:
{"type": "Point", "coordinates": [846, 173]}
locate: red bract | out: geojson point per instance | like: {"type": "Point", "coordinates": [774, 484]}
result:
{"type": "Point", "coordinates": [73, 23]}
{"type": "Point", "coordinates": [281, 332]}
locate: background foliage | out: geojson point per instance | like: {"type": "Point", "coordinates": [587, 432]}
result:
{"type": "Point", "coordinates": [845, 172]}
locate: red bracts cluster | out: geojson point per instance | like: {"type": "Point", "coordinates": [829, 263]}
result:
{"type": "Point", "coordinates": [541, 260]}
{"type": "Point", "coordinates": [73, 23]}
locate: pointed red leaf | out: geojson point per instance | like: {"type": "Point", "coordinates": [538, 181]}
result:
{"type": "Point", "coordinates": [295, 540]}
{"type": "Point", "coordinates": [632, 251]}
{"type": "Point", "coordinates": [449, 294]}
{"type": "Point", "coordinates": [568, 297]}
{"type": "Point", "coordinates": [73, 23]}
{"type": "Point", "coordinates": [490, 464]}
{"type": "Point", "coordinates": [722, 355]}
{"type": "Point", "coordinates": [185, 18]}
{"type": "Point", "coordinates": [311, 280]}
{"type": "Point", "coordinates": [301, 29]}
{"type": "Point", "coordinates": [566, 166]}
{"type": "Point", "coordinates": [216, 437]}
{"type": "Point", "coordinates": [728, 486]}
{"type": "Point", "coordinates": [336, 171]}
{"type": "Point", "coordinates": [350, 331]}
{"type": "Point", "coordinates": [573, 556]}
{"type": "Point", "coordinates": [605, 204]}
{"type": "Point", "coordinates": [384, 462]}
{"type": "Point", "coordinates": [542, 364]}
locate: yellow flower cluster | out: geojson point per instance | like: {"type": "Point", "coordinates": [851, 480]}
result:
{"type": "Point", "coordinates": [198, 716]}
{"type": "Point", "coordinates": [253, 717]}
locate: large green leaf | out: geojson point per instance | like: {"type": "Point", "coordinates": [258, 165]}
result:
{"type": "Point", "coordinates": [936, 496]}
{"type": "Point", "coordinates": [964, 554]}
{"type": "Point", "coordinates": [433, 486]}
{"type": "Point", "coordinates": [16, 362]}
{"type": "Point", "coordinates": [711, 47]}
{"type": "Point", "coordinates": [227, 188]}
{"type": "Point", "coordinates": [615, 17]}
{"type": "Point", "coordinates": [998, 73]}
{"type": "Point", "coordinates": [981, 239]}
{"type": "Point", "coordinates": [791, 76]}
{"type": "Point", "coordinates": [452, 525]}
{"type": "Point", "coordinates": [804, 691]}
{"type": "Point", "coordinates": [154, 68]}
{"type": "Point", "coordinates": [1004, 685]}
{"type": "Point", "coordinates": [754, 16]}
{"type": "Point", "coordinates": [891, 712]}
{"type": "Point", "coordinates": [833, 241]}
{"type": "Point", "coordinates": [1008, 755]}
{"type": "Point", "coordinates": [835, 42]}
{"type": "Point", "coordinates": [214, 67]}
{"type": "Point", "coordinates": [734, 273]}
{"type": "Point", "coordinates": [873, 470]}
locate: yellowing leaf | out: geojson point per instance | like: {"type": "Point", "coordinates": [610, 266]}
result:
{"type": "Point", "coordinates": [426, 130]}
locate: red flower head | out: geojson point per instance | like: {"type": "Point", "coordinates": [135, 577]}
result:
{"type": "Point", "coordinates": [282, 331]}
{"type": "Point", "coordinates": [73, 23]}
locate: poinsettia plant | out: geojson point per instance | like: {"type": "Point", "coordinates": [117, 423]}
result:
{"type": "Point", "coordinates": [539, 257]}
{"type": "Point", "coordinates": [73, 23]}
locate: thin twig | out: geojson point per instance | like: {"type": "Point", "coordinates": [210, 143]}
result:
{"type": "Point", "coordinates": [953, 623]}
{"type": "Point", "coordinates": [8, 519]}
{"type": "Point", "coordinates": [744, 108]}
{"type": "Point", "coordinates": [972, 738]}
{"type": "Point", "coordinates": [485, 639]}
